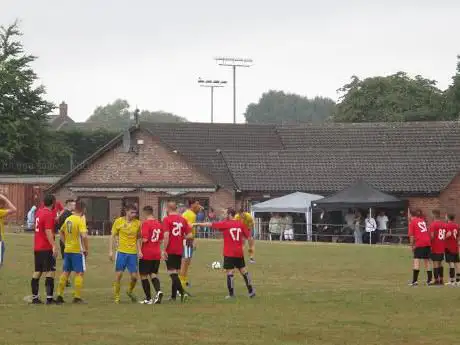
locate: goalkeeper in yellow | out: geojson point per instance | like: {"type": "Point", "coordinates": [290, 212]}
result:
{"type": "Point", "coordinates": [75, 237]}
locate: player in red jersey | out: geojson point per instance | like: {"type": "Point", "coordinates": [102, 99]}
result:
{"type": "Point", "coordinates": [235, 233]}
{"type": "Point", "coordinates": [420, 242]}
{"type": "Point", "coordinates": [152, 237]}
{"type": "Point", "coordinates": [176, 229]}
{"type": "Point", "coordinates": [56, 210]}
{"type": "Point", "coordinates": [452, 256]}
{"type": "Point", "coordinates": [438, 246]}
{"type": "Point", "coordinates": [45, 251]}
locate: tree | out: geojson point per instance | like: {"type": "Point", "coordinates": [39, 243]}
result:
{"type": "Point", "coordinates": [393, 98]}
{"type": "Point", "coordinates": [116, 116]}
{"type": "Point", "coordinates": [23, 110]}
{"type": "Point", "coordinates": [453, 94]}
{"type": "Point", "coordinates": [277, 107]}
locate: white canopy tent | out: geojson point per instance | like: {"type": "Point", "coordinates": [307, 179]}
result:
{"type": "Point", "coordinates": [297, 202]}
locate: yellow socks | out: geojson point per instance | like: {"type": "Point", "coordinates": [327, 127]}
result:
{"type": "Point", "coordinates": [116, 291]}
{"type": "Point", "coordinates": [132, 285]}
{"type": "Point", "coordinates": [61, 285]}
{"type": "Point", "coordinates": [183, 280]}
{"type": "Point", "coordinates": [78, 285]}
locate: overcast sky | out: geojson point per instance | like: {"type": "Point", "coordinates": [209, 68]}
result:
{"type": "Point", "coordinates": [152, 52]}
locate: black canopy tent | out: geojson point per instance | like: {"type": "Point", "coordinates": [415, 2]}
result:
{"type": "Point", "coordinates": [359, 195]}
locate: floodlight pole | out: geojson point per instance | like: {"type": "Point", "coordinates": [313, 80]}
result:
{"type": "Point", "coordinates": [212, 84]}
{"type": "Point", "coordinates": [234, 94]}
{"type": "Point", "coordinates": [234, 63]}
{"type": "Point", "coordinates": [212, 104]}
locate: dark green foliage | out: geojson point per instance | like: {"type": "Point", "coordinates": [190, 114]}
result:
{"type": "Point", "coordinates": [277, 107]}
{"type": "Point", "coordinates": [116, 116]}
{"type": "Point", "coordinates": [453, 94]}
{"type": "Point", "coordinates": [23, 110]}
{"type": "Point", "coordinates": [393, 98]}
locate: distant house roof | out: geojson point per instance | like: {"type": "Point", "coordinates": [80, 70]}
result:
{"type": "Point", "coordinates": [413, 157]}
{"type": "Point", "coordinates": [29, 179]}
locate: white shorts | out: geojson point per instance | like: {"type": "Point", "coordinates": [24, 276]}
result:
{"type": "Point", "coordinates": [289, 234]}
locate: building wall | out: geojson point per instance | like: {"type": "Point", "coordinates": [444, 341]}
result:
{"type": "Point", "coordinates": [450, 197]}
{"type": "Point", "coordinates": [23, 196]}
{"type": "Point", "coordinates": [447, 202]}
{"type": "Point", "coordinates": [154, 164]}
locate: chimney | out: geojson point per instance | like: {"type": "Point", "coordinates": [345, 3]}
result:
{"type": "Point", "coordinates": [63, 109]}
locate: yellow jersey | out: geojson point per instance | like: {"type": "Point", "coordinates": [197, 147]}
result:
{"type": "Point", "coordinates": [3, 214]}
{"type": "Point", "coordinates": [73, 227]}
{"type": "Point", "coordinates": [246, 219]}
{"type": "Point", "coordinates": [190, 217]}
{"type": "Point", "coordinates": [128, 233]}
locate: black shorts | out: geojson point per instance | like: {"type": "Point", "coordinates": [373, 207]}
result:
{"type": "Point", "coordinates": [148, 266]}
{"type": "Point", "coordinates": [45, 261]}
{"type": "Point", "coordinates": [437, 257]}
{"type": "Point", "coordinates": [452, 257]}
{"type": "Point", "coordinates": [231, 263]}
{"type": "Point", "coordinates": [422, 252]}
{"type": "Point", "coordinates": [174, 262]}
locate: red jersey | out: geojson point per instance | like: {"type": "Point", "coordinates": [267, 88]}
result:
{"type": "Point", "coordinates": [58, 208]}
{"type": "Point", "coordinates": [418, 230]}
{"type": "Point", "coordinates": [44, 220]}
{"type": "Point", "coordinates": [152, 235]}
{"type": "Point", "coordinates": [178, 228]}
{"type": "Point", "coordinates": [438, 237]}
{"type": "Point", "coordinates": [452, 240]}
{"type": "Point", "coordinates": [235, 232]}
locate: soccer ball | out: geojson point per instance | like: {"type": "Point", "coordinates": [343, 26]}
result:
{"type": "Point", "coordinates": [216, 265]}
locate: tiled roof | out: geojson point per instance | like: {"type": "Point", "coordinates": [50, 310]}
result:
{"type": "Point", "coordinates": [394, 157]}
{"type": "Point", "coordinates": [371, 135]}
{"type": "Point", "coordinates": [324, 171]}
{"type": "Point", "coordinates": [201, 142]}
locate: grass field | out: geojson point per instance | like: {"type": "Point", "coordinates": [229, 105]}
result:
{"type": "Point", "coordinates": [306, 294]}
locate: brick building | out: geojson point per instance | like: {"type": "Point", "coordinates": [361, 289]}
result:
{"type": "Point", "coordinates": [229, 165]}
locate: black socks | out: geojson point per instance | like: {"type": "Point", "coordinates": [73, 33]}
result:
{"type": "Point", "coordinates": [49, 284]}
{"type": "Point", "coordinates": [415, 275]}
{"type": "Point", "coordinates": [230, 288]}
{"type": "Point", "coordinates": [146, 287]}
{"type": "Point", "coordinates": [156, 284]}
{"type": "Point", "coordinates": [34, 285]}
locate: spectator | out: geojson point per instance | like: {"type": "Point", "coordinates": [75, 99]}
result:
{"type": "Point", "coordinates": [211, 218]}
{"type": "Point", "coordinates": [357, 227]}
{"type": "Point", "coordinates": [370, 226]}
{"type": "Point", "coordinates": [275, 227]}
{"type": "Point", "coordinates": [31, 218]}
{"type": "Point", "coordinates": [382, 222]}
{"type": "Point", "coordinates": [350, 218]}
{"type": "Point", "coordinates": [288, 227]}
{"type": "Point", "coordinates": [200, 218]}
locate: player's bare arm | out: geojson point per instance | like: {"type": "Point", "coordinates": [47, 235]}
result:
{"type": "Point", "coordinates": [164, 255]}
{"type": "Point", "coordinates": [139, 245]}
{"type": "Point", "coordinates": [112, 241]}
{"type": "Point", "coordinates": [202, 224]}
{"type": "Point", "coordinates": [50, 236]}
{"type": "Point", "coordinates": [10, 208]}
{"type": "Point", "coordinates": [84, 237]}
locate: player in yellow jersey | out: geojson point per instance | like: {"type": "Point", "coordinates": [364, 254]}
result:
{"type": "Point", "coordinates": [247, 220]}
{"type": "Point", "coordinates": [74, 234]}
{"type": "Point", "coordinates": [127, 231]}
{"type": "Point", "coordinates": [6, 208]}
{"type": "Point", "coordinates": [189, 245]}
